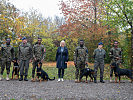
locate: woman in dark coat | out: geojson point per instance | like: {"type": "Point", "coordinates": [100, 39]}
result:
{"type": "Point", "coordinates": [62, 59]}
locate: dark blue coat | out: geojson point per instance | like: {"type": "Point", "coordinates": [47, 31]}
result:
{"type": "Point", "coordinates": [61, 58]}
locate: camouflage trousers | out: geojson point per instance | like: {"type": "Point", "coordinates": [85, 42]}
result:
{"type": "Point", "coordinates": [6, 64]}
{"type": "Point", "coordinates": [35, 63]}
{"type": "Point", "coordinates": [24, 66]}
{"type": "Point", "coordinates": [112, 69]}
{"type": "Point", "coordinates": [79, 67]}
{"type": "Point", "coordinates": [99, 64]}
{"type": "Point", "coordinates": [0, 63]}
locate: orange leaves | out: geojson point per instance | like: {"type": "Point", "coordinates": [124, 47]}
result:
{"type": "Point", "coordinates": [83, 19]}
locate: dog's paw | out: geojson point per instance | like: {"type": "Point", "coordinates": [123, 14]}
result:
{"type": "Point", "coordinates": [86, 81]}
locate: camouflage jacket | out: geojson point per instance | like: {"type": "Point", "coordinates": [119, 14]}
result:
{"type": "Point", "coordinates": [0, 53]}
{"type": "Point", "coordinates": [7, 52]}
{"type": "Point", "coordinates": [81, 54]}
{"type": "Point", "coordinates": [115, 52]}
{"type": "Point", "coordinates": [38, 52]}
{"type": "Point", "coordinates": [24, 52]}
{"type": "Point", "coordinates": [99, 54]}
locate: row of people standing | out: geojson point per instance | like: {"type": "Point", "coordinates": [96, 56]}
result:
{"type": "Point", "coordinates": [26, 54]}
{"type": "Point", "coordinates": [81, 58]}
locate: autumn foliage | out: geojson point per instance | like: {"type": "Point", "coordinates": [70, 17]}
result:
{"type": "Point", "coordinates": [83, 19]}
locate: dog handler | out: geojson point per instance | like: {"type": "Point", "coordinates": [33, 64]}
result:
{"type": "Point", "coordinates": [24, 56]}
{"type": "Point", "coordinates": [38, 55]}
{"type": "Point", "coordinates": [116, 56]}
{"type": "Point", "coordinates": [99, 55]}
{"type": "Point", "coordinates": [7, 52]}
{"type": "Point", "coordinates": [80, 60]}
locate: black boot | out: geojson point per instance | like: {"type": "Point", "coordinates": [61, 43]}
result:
{"type": "Point", "coordinates": [101, 80]}
{"type": "Point", "coordinates": [25, 78]}
{"type": "Point", "coordinates": [95, 80]}
{"type": "Point", "coordinates": [21, 78]}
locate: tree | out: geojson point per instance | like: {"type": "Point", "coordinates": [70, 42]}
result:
{"type": "Point", "coordinates": [121, 16]}
{"type": "Point", "coordinates": [10, 21]}
{"type": "Point", "coordinates": [84, 21]}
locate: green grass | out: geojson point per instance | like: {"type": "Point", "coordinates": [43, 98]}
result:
{"type": "Point", "coordinates": [69, 73]}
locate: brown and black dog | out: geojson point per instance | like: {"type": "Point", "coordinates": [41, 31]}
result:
{"type": "Point", "coordinates": [121, 72]}
{"type": "Point", "coordinates": [87, 72]}
{"type": "Point", "coordinates": [40, 73]}
{"type": "Point", "coordinates": [15, 69]}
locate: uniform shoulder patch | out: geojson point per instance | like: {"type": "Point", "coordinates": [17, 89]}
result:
{"type": "Point", "coordinates": [42, 46]}
{"type": "Point", "coordinates": [88, 69]}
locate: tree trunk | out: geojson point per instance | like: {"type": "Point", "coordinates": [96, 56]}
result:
{"type": "Point", "coordinates": [95, 10]}
{"type": "Point", "coordinates": [131, 47]}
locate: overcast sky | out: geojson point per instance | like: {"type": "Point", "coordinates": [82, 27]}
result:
{"type": "Point", "coordinates": [46, 7]}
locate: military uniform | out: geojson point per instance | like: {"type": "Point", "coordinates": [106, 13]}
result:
{"type": "Point", "coordinates": [25, 54]}
{"type": "Point", "coordinates": [38, 54]}
{"type": "Point", "coordinates": [99, 55]}
{"type": "Point", "coordinates": [0, 57]}
{"type": "Point", "coordinates": [114, 53]}
{"type": "Point", "coordinates": [80, 58]}
{"type": "Point", "coordinates": [7, 55]}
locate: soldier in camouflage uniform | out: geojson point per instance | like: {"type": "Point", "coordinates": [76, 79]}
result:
{"type": "Point", "coordinates": [7, 55]}
{"type": "Point", "coordinates": [116, 56]}
{"type": "Point", "coordinates": [38, 55]}
{"type": "Point", "coordinates": [80, 60]}
{"type": "Point", "coordinates": [24, 56]}
{"type": "Point", "coordinates": [99, 55]}
{"type": "Point", "coordinates": [0, 55]}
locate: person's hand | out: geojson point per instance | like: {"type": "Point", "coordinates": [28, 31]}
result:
{"type": "Point", "coordinates": [30, 60]}
{"type": "Point", "coordinates": [74, 63]}
{"type": "Point", "coordinates": [117, 58]}
{"type": "Point", "coordinates": [66, 62]}
{"type": "Point", "coordinates": [44, 50]}
{"type": "Point", "coordinates": [35, 59]}
{"type": "Point", "coordinates": [42, 61]}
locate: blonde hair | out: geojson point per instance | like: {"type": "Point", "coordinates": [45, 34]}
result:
{"type": "Point", "coordinates": [62, 42]}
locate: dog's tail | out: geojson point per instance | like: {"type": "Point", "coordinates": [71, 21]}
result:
{"type": "Point", "coordinates": [51, 79]}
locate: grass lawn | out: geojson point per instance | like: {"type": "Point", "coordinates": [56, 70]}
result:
{"type": "Point", "coordinates": [69, 72]}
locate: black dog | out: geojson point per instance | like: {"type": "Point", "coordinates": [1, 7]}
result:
{"type": "Point", "coordinates": [41, 73]}
{"type": "Point", "coordinates": [87, 72]}
{"type": "Point", "coordinates": [121, 72]}
{"type": "Point", "coordinates": [15, 68]}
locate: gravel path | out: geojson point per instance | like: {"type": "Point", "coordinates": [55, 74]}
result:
{"type": "Point", "coordinates": [67, 90]}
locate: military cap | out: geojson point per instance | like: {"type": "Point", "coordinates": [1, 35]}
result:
{"type": "Point", "coordinates": [100, 43]}
{"type": "Point", "coordinates": [24, 38]}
